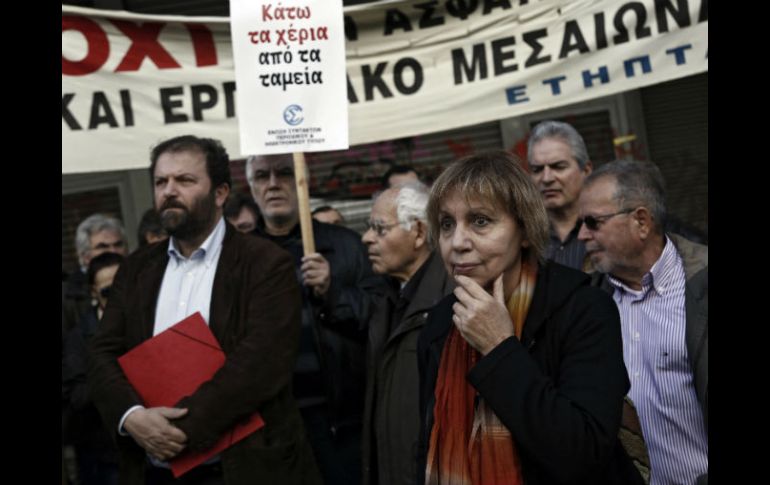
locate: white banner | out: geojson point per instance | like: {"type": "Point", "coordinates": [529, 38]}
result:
{"type": "Point", "coordinates": [290, 75]}
{"type": "Point", "coordinates": [129, 81]}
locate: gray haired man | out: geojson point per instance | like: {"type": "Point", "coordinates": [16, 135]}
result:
{"type": "Point", "coordinates": [660, 283]}
{"type": "Point", "coordinates": [558, 163]}
{"type": "Point", "coordinates": [338, 288]}
{"type": "Point", "coordinates": [398, 247]}
{"type": "Point", "coordinates": [95, 235]}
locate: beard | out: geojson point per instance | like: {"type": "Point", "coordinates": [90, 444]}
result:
{"type": "Point", "coordinates": [614, 264]}
{"type": "Point", "coordinates": [188, 223]}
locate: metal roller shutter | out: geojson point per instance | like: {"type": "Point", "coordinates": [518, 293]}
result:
{"type": "Point", "coordinates": [676, 118]}
{"type": "Point", "coordinates": [347, 179]}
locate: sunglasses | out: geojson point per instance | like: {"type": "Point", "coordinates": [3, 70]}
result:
{"type": "Point", "coordinates": [115, 245]}
{"type": "Point", "coordinates": [592, 222]}
{"type": "Point", "coordinates": [105, 292]}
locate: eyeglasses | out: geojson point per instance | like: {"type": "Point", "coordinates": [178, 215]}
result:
{"type": "Point", "coordinates": [380, 229]}
{"type": "Point", "coordinates": [284, 173]}
{"type": "Point", "coordinates": [115, 245]}
{"type": "Point", "coordinates": [105, 292]}
{"type": "Point", "coordinates": [592, 222]}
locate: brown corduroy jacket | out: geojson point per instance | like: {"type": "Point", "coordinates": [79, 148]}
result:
{"type": "Point", "coordinates": [255, 317]}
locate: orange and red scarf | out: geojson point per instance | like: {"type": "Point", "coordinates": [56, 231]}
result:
{"type": "Point", "coordinates": [468, 443]}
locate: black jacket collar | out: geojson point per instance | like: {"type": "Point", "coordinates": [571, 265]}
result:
{"type": "Point", "coordinates": [555, 283]}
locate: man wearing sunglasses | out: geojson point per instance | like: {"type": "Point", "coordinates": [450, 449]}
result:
{"type": "Point", "coordinates": [95, 452]}
{"type": "Point", "coordinates": [659, 282]}
{"type": "Point", "coordinates": [558, 163]}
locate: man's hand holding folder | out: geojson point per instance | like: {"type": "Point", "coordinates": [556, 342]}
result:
{"type": "Point", "coordinates": [153, 430]}
{"type": "Point", "coordinates": [165, 369]}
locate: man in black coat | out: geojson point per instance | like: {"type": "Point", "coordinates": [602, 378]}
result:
{"type": "Point", "coordinates": [398, 245]}
{"type": "Point", "coordinates": [337, 289]}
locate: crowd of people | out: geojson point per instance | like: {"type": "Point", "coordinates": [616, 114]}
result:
{"type": "Point", "coordinates": [535, 321]}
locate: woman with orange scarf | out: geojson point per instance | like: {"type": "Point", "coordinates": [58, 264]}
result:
{"type": "Point", "coordinates": [521, 369]}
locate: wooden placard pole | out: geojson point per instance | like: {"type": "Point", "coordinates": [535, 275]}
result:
{"type": "Point", "coordinates": [303, 197]}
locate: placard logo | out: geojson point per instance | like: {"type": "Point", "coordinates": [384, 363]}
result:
{"type": "Point", "coordinates": [292, 115]}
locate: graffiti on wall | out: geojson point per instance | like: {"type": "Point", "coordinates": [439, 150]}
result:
{"type": "Point", "coordinates": [358, 172]}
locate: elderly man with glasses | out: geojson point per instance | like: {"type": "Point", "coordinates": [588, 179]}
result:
{"type": "Point", "coordinates": [337, 290]}
{"type": "Point", "coordinates": [659, 282]}
{"type": "Point", "coordinates": [398, 246]}
{"type": "Point", "coordinates": [95, 235]}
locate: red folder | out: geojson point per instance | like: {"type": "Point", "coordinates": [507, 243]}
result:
{"type": "Point", "coordinates": [172, 365]}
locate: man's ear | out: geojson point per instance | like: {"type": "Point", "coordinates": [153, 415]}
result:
{"type": "Point", "coordinates": [220, 194]}
{"type": "Point", "coordinates": [421, 230]}
{"type": "Point", "coordinates": [644, 222]}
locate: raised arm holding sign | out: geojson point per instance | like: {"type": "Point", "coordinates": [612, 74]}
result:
{"type": "Point", "coordinates": [292, 98]}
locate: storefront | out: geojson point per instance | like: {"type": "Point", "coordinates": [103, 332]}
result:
{"type": "Point", "coordinates": [652, 104]}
